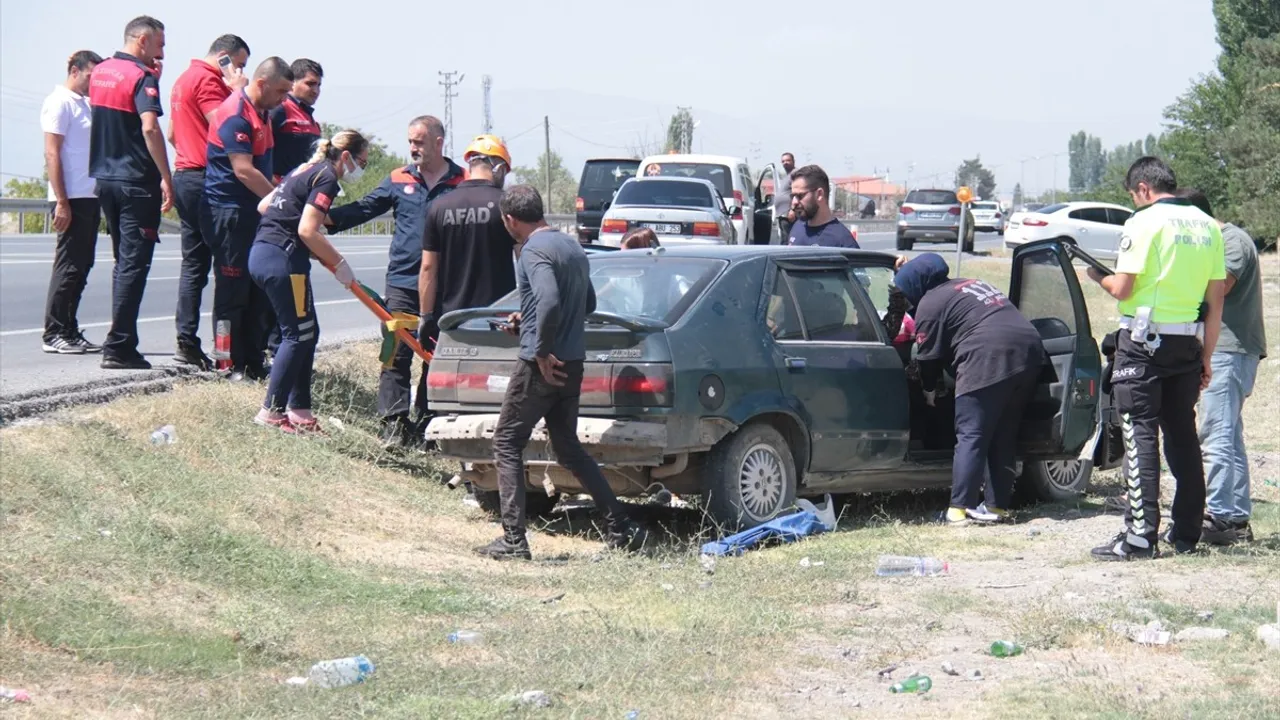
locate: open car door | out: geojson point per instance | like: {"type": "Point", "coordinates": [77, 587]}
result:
{"type": "Point", "coordinates": [1063, 413]}
{"type": "Point", "coordinates": [765, 224]}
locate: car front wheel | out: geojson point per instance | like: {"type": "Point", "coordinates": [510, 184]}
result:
{"type": "Point", "coordinates": [1056, 480]}
{"type": "Point", "coordinates": [905, 243]}
{"type": "Point", "coordinates": [750, 477]}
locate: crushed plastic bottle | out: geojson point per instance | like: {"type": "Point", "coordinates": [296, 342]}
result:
{"type": "Point", "coordinates": [900, 565]}
{"type": "Point", "coordinates": [913, 684]}
{"type": "Point", "coordinates": [14, 695]}
{"type": "Point", "coordinates": [166, 435]}
{"type": "Point", "coordinates": [339, 673]}
{"type": "Point", "coordinates": [465, 637]}
{"type": "Point", "coordinates": [1006, 649]}
{"type": "Point", "coordinates": [633, 715]}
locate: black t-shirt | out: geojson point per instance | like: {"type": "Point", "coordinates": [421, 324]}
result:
{"type": "Point", "coordinates": [475, 266]}
{"type": "Point", "coordinates": [316, 186]}
{"type": "Point", "coordinates": [974, 328]}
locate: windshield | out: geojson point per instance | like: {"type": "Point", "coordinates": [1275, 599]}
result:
{"type": "Point", "coordinates": [635, 283]}
{"type": "Point", "coordinates": [673, 193]}
{"type": "Point", "coordinates": [607, 175]}
{"type": "Point", "coordinates": [719, 175]}
{"type": "Point", "coordinates": [932, 197]}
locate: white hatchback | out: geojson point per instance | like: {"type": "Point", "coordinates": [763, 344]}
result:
{"type": "Point", "coordinates": [1096, 227]}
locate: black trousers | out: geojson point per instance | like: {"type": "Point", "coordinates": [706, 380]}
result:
{"type": "Point", "coordinates": [236, 298]}
{"type": "Point", "coordinates": [784, 230]}
{"type": "Point", "coordinates": [393, 384]}
{"type": "Point", "coordinates": [1154, 394]}
{"type": "Point", "coordinates": [197, 254]}
{"type": "Point", "coordinates": [133, 219]}
{"type": "Point", "coordinates": [72, 260]}
{"type": "Point", "coordinates": [987, 425]}
{"type": "Point", "coordinates": [530, 399]}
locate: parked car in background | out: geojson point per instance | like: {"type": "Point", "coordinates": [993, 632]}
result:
{"type": "Point", "coordinates": [680, 210]}
{"type": "Point", "coordinates": [753, 375]}
{"type": "Point", "coordinates": [1095, 227]}
{"type": "Point", "coordinates": [730, 175]}
{"type": "Point", "coordinates": [932, 216]}
{"type": "Point", "coordinates": [987, 216]}
{"type": "Point", "coordinates": [601, 178]}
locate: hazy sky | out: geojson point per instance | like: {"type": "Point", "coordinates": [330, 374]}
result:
{"type": "Point", "coordinates": [855, 86]}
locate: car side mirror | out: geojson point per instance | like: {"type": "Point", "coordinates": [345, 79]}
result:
{"type": "Point", "coordinates": [732, 210]}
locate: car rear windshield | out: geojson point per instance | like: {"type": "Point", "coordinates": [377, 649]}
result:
{"type": "Point", "coordinates": [665, 193]}
{"type": "Point", "coordinates": [932, 197]}
{"type": "Point", "coordinates": [606, 175]}
{"type": "Point", "coordinates": [719, 175]}
{"type": "Point", "coordinates": [637, 284]}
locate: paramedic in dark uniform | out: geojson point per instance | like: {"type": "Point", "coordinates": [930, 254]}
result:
{"type": "Point", "coordinates": [196, 94]}
{"type": "Point", "coordinates": [238, 176]}
{"type": "Point", "coordinates": [1170, 281]}
{"type": "Point", "coordinates": [408, 191]}
{"type": "Point", "coordinates": [128, 159]}
{"type": "Point", "coordinates": [280, 263]}
{"type": "Point", "coordinates": [996, 355]}
{"type": "Point", "coordinates": [293, 122]}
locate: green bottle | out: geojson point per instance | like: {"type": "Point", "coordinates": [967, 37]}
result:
{"type": "Point", "coordinates": [913, 684]}
{"type": "Point", "coordinates": [1005, 649]}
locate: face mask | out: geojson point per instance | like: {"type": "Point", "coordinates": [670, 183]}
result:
{"type": "Point", "coordinates": [354, 172]}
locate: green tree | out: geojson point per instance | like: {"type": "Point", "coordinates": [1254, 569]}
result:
{"type": "Point", "coordinates": [971, 173]}
{"type": "Point", "coordinates": [680, 132]}
{"type": "Point", "coordinates": [29, 189]}
{"type": "Point", "coordinates": [1017, 196]}
{"type": "Point", "coordinates": [381, 163]}
{"type": "Point", "coordinates": [1252, 144]}
{"type": "Point", "coordinates": [1076, 147]}
{"type": "Point", "coordinates": [564, 187]}
{"type": "Point", "coordinates": [1095, 163]}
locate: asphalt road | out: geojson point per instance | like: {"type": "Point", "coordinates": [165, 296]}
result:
{"type": "Point", "coordinates": [25, 264]}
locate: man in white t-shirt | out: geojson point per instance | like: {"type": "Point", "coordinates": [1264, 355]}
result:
{"type": "Point", "coordinates": [66, 118]}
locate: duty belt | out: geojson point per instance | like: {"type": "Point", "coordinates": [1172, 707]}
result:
{"type": "Point", "coordinates": [1190, 328]}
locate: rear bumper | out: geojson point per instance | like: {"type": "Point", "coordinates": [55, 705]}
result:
{"type": "Point", "coordinates": [935, 234]}
{"type": "Point", "coordinates": [469, 438]}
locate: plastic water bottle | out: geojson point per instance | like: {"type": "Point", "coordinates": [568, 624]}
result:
{"type": "Point", "coordinates": [898, 565]}
{"type": "Point", "coordinates": [166, 435]}
{"type": "Point", "coordinates": [913, 684]}
{"type": "Point", "coordinates": [465, 637]}
{"type": "Point", "coordinates": [339, 673]}
{"type": "Point", "coordinates": [222, 344]}
{"type": "Point", "coordinates": [1005, 649]}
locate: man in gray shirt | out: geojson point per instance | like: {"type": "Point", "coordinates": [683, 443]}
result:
{"type": "Point", "coordinates": [782, 197]}
{"type": "Point", "coordinates": [556, 295]}
{"type": "Point", "coordinates": [1241, 347]}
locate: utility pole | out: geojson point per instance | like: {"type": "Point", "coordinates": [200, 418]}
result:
{"type": "Point", "coordinates": [546, 130]}
{"type": "Point", "coordinates": [448, 83]}
{"type": "Point", "coordinates": [487, 83]}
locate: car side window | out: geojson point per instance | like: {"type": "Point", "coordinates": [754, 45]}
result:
{"type": "Point", "coordinates": [828, 307]}
{"type": "Point", "coordinates": [1045, 296]}
{"type": "Point", "coordinates": [877, 281]}
{"type": "Point", "coordinates": [1092, 214]}
{"type": "Point", "coordinates": [1116, 216]}
{"type": "Point", "coordinates": [782, 319]}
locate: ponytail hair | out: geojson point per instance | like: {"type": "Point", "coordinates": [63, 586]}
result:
{"type": "Point", "coordinates": [332, 148]}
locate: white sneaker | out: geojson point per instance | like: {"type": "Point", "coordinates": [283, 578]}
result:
{"type": "Point", "coordinates": [62, 346]}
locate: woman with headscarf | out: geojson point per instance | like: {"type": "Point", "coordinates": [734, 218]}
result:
{"type": "Point", "coordinates": [996, 355]}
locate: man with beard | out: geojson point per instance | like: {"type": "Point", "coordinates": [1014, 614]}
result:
{"type": "Point", "coordinates": [810, 190]}
{"type": "Point", "coordinates": [409, 192]}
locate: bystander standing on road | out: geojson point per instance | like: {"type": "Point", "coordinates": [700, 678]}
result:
{"type": "Point", "coordinates": [1242, 345]}
{"type": "Point", "coordinates": [197, 93]}
{"type": "Point", "coordinates": [129, 161]}
{"type": "Point", "coordinates": [293, 122]}
{"type": "Point", "coordinates": [238, 176]}
{"type": "Point", "coordinates": [556, 295]}
{"type": "Point", "coordinates": [1169, 280]}
{"type": "Point", "coordinates": [67, 120]}
{"type": "Point", "coordinates": [815, 223]}
{"type": "Point", "coordinates": [782, 198]}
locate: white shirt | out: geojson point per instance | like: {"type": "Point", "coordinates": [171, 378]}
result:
{"type": "Point", "coordinates": [68, 114]}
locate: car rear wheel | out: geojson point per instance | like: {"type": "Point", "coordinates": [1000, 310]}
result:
{"type": "Point", "coordinates": [750, 477]}
{"type": "Point", "coordinates": [1055, 480]}
{"type": "Point", "coordinates": [905, 243]}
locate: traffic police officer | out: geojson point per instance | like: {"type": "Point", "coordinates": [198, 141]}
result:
{"type": "Point", "coordinates": [408, 192]}
{"type": "Point", "coordinates": [128, 159]}
{"type": "Point", "coordinates": [1169, 280]}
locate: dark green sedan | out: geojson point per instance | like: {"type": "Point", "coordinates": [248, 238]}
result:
{"type": "Point", "coordinates": [753, 375]}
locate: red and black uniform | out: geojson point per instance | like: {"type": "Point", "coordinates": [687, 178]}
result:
{"type": "Point", "coordinates": [404, 192]}
{"type": "Point", "coordinates": [121, 89]}
{"type": "Point", "coordinates": [197, 93]}
{"type": "Point", "coordinates": [296, 131]}
{"type": "Point", "coordinates": [230, 221]}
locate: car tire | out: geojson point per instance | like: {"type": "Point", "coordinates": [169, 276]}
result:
{"type": "Point", "coordinates": [750, 477]}
{"type": "Point", "coordinates": [537, 504]}
{"type": "Point", "coordinates": [1000, 232]}
{"type": "Point", "coordinates": [1054, 480]}
{"type": "Point", "coordinates": [968, 245]}
{"type": "Point", "coordinates": [905, 243]}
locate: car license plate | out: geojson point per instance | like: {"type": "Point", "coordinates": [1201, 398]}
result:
{"type": "Point", "coordinates": [663, 228]}
{"type": "Point", "coordinates": [498, 383]}
{"type": "Point", "coordinates": [929, 235]}
{"type": "Point", "coordinates": [931, 216]}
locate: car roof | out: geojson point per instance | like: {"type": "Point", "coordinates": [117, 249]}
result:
{"type": "Point", "coordinates": [1077, 204]}
{"type": "Point", "coordinates": [613, 159]}
{"type": "Point", "coordinates": [696, 158]}
{"type": "Point", "coordinates": [671, 178]}
{"type": "Point", "coordinates": [746, 252]}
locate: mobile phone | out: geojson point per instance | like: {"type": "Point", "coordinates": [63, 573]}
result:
{"type": "Point", "coordinates": [224, 62]}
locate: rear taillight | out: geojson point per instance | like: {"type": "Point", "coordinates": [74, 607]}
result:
{"type": "Point", "coordinates": [953, 210]}
{"type": "Point", "coordinates": [1035, 222]}
{"type": "Point", "coordinates": [613, 226]}
{"type": "Point", "coordinates": [579, 205]}
{"type": "Point", "coordinates": [705, 229]}
{"type": "Point", "coordinates": [998, 216]}
{"type": "Point", "coordinates": [907, 210]}
{"type": "Point", "coordinates": [640, 385]}
{"type": "Point", "coordinates": [738, 202]}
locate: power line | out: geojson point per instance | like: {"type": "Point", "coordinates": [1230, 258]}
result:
{"type": "Point", "coordinates": [590, 142]}
{"type": "Point", "coordinates": [523, 132]}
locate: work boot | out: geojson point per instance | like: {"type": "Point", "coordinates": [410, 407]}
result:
{"type": "Point", "coordinates": [188, 354]}
{"type": "Point", "coordinates": [627, 536]}
{"type": "Point", "coordinates": [1127, 546]}
{"type": "Point", "coordinates": [1218, 531]}
{"type": "Point", "coordinates": [513, 545]}
{"type": "Point", "coordinates": [1180, 546]}
{"type": "Point", "coordinates": [397, 432]}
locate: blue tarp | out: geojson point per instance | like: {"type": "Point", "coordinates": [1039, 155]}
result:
{"type": "Point", "coordinates": [811, 520]}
